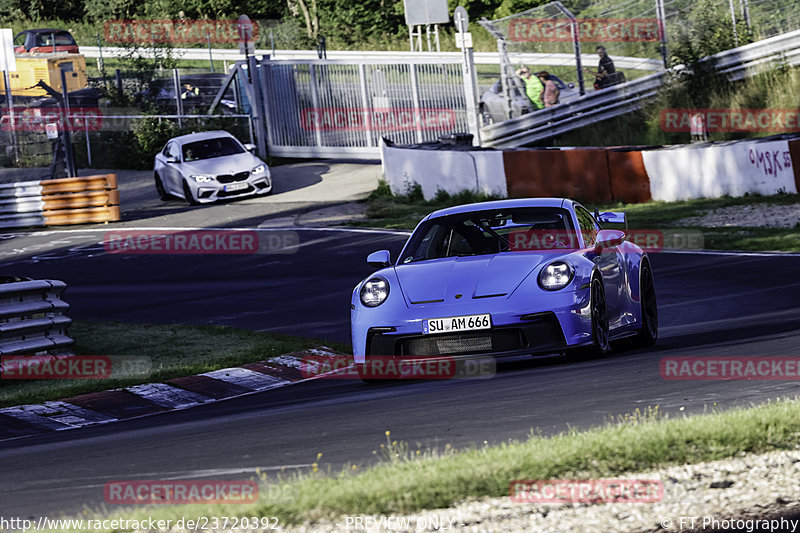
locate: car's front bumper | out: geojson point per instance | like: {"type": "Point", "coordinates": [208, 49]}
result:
{"type": "Point", "coordinates": [539, 333]}
{"type": "Point", "coordinates": [531, 330]}
{"type": "Point", "coordinates": [213, 191]}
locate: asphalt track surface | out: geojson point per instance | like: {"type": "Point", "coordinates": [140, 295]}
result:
{"type": "Point", "coordinates": [710, 305]}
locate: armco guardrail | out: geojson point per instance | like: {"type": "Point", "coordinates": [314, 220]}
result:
{"type": "Point", "coordinates": [32, 317]}
{"type": "Point", "coordinates": [59, 201]}
{"type": "Point", "coordinates": [481, 58]}
{"type": "Point", "coordinates": [617, 100]}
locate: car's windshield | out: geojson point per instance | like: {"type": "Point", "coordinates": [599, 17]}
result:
{"type": "Point", "coordinates": [209, 148]}
{"type": "Point", "coordinates": [495, 231]}
{"type": "Point", "coordinates": [62, 39]}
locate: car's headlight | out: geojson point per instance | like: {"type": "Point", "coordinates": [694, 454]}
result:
{"type": "Point", "coordinates": [374, 292]}
{"type": "Point", "coordinates": [202, 178]}
{"type": "Point", "coordinates": [556, 276]}
{"type": "Point", "coordinates": [259, 169]}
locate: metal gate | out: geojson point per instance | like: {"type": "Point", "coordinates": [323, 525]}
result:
{"type": "Point", "coordinates": [342, 108]}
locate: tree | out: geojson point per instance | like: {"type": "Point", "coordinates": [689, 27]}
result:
{"type": "Point", "coordinates": [311, 16]}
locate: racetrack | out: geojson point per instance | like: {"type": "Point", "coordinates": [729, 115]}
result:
{"type": "Point", "coordinates": [710, 304]}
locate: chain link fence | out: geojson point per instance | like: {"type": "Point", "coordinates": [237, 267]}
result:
{"type": "Point", "coordinates": [136, 113]}
{"type": "Point", "coordinates": [114, 140]}
{"type": "Point", "coordinates": [633, 28]}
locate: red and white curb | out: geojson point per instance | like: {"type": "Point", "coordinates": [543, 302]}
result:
{"type": "Point", "coordinates": [177, 393]}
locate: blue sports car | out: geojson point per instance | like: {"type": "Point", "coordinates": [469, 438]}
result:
{"type": "Point", "coordinates": [509, 277]}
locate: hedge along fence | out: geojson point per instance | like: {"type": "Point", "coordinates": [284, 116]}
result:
{"type": "Point", "coordinates": [599, 175]}
{"type": "Point", "coordinates": [59, 202]}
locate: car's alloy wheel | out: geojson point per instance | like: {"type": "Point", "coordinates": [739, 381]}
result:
{"type": "Point", "coordinates": [162, 193]}
{"type": "Point", "coordinates": [647, 295]}
{"type": "Point", "coordinates": [600, 335]}
{"type": "Point", "coordinates": [187, 193]}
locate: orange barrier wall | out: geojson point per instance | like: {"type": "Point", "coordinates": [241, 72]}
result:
{"type": "Point", "coordinates": [79, 184]}
{"type": "Point", "coordinates": [579, 174]}
{"type": "Point", "coordinates": [629, 180]}
{"type": "Point", "coordinates": [80, 200]}
{"type": "Point", "coordinates": [794, 151]}
{"type": "Point", "coordinates": [80, 216]}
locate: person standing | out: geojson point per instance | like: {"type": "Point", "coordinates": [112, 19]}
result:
{"type": "Point", "coordinates": [190, 92]}
{"type": "Point", "coordinates": [605, 69]}
{"type": "Point", "coordinates": [551, 91]}
{"type": "Point", "coordinates": [533, 87]}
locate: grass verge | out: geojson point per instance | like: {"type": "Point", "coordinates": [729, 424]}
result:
{"type": "Point", "coordinates": [660, 215]}
{"type": "Point", "coordinates": [175, 350]}
{"type": "Point", "coordinates": [386, 210]}
{"type": "Point", "coordinates": [410, 480]}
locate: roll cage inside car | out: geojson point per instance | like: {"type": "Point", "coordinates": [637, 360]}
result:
{"type": "Point", "coordinates": [487, 232]}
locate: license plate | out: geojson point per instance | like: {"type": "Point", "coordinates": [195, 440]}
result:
{"type": "Point", "coordinates": [456, 323]}
{"type": "Point", "coordinates": [235, 187]}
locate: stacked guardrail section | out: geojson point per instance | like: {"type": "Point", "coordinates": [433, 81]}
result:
{"type": "Point", "coordinates": [59, 202]}
{"type": "Point", "coordinates": [32, 318]}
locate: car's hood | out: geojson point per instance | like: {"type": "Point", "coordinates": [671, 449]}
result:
{"type": "Point", "coordinates": [229, 164]}
{"type": "Point", "coordinates": [481, 276]}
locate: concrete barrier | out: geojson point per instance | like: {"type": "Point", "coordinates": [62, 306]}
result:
{"type": "Point", "coordinates": [579, 173]}
{"type": "Point", "coordinates": [452, 171]}
{"type": "Point", "coordinates": [794, 153]}
{"type": "Point", "coordinates": [629, 181]}
{"type": "Point", "coordinates": [711, 171]}
{"type": "Point", "coordinates": [599, 175]}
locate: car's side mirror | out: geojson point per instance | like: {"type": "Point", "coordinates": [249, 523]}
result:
{"type": "Point", "coordinates": [250, 147]}
{"type": "Point", "coordinates": [172, 160]}
{"type": "Point", "coordinates": [608, 238]}
{"type": "Point", "coordinates": [379, 259]}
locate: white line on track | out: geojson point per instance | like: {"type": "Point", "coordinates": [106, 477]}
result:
{"type": "Point", "coordinates": [367, 231]}
{"type": "Point", "coordinates": [288, 228]}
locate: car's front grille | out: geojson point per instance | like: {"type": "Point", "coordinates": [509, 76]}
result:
{"type": "Point", "coordinates": [223, 194]}
{"type": "Point", "coordinates": [463, 343]}
{"type": "Point", "coordinates": [230, 178]}
{"type": "Point", "coordinates": [539, 333]}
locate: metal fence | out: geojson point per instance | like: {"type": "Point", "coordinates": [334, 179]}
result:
{"type": "Point", "coordinates": [32, 317]}
{"type": "Point", "coordinates": [333, 108]}
{"type": "Point", "coordinates": [109, 138]}
{"type": "Point", "coordinates": [736, 64]}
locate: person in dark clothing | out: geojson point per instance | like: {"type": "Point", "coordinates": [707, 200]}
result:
{"type": "Point", "coordinates": [606, 72]}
